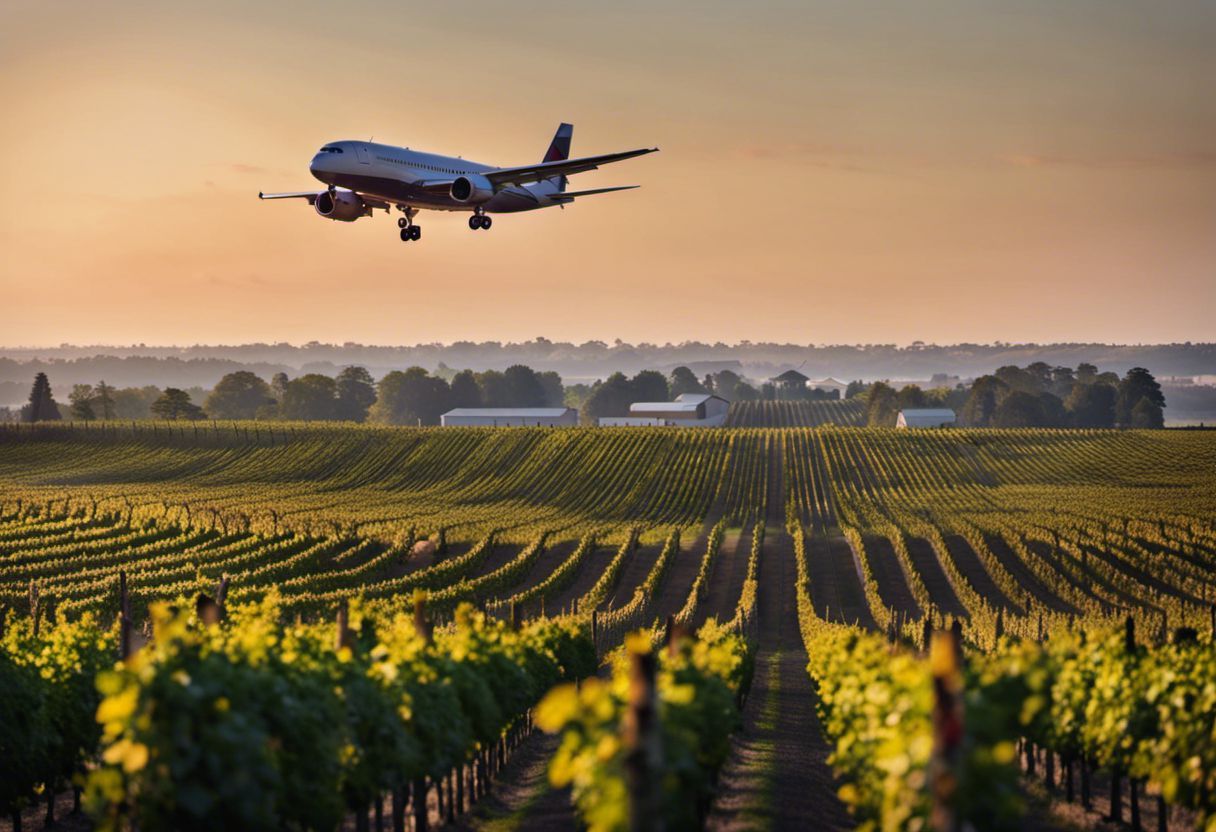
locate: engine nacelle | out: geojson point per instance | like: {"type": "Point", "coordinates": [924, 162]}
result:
{"type": "Point", "coordinates": [474, 189]}
{"type": "Point", "coordinates": [341, 205]}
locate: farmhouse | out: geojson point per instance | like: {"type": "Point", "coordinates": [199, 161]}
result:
{"type": "Point", "coordinates": [926, 418]}
{"type": "Point", "coordinates": [688, 410]}
{"type": "Point", "coordinates": [790, 381]}
{"type": "Point", "coordinates": [508, 417]}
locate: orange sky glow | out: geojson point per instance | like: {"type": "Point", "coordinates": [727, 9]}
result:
{"type": "Point", "coordinates": [830, 171]}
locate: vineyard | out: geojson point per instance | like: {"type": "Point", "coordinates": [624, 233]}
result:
{"type": "Point", "coordinates": [796, 414]}
{"type": "Point", "coordinates": [771, 624]}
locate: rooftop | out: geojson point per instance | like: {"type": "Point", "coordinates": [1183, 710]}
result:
{"type": "Point", "coordinates": [791, 376]}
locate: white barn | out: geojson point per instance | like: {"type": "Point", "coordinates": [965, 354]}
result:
{"type": "Point", "coordinates": [829, 384]}
{"type": "Point", "coordinates": [510, 417]}
{"type": "Point", "coordinates": [703, 410]}
{"type": "Point", "coordinates": [929, 417]}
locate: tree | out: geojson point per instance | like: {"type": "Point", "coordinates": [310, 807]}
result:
{"type": "Point", "coordinates": [882, 405]}
{"type": "Point", "coordinates": [610, 397]}
{"type": "Point", "coordinates": [1020, 409]}
{"type": "Point", "coordinates": [1136, 385]}
{"type": "Point", "coordinates": [42, 406]}
{"type": "Point", "coordinates": [684, 380]}
{"type": "Point", "coordinates": [494, 390]}
{"type": "Point", "coordinates": [135, 402]}
{"type": "Point", "coordinates": [1015, 378]}
{"type": "Point", "coordinates": [464, 390]}
{"type": "Point", "coordinates": [523, 387]}
{"type": "Point", "coordinates": [1062, 381]}
{"type": "Point", "coordinates": [730, 385]}
{"type": "Point", "coordinates": [311, 396]}
{"type": "Point", "coordinates": [356, 394]}
{"type": "Point", "coordinates": [1147, 414]}
{"type": "Point", "coordinates": [855, 388]}
{"type": "Point", "coordinates": [982, 401]}
{"type": "Point", "coordinates": [82, 397]}
{"type": "Point", "coordinates": [1086, 373]}
{"type": "Point", "coordinates": [176, 404]}
{"type": "Point", "coordinates": [1041, 373]}
{"type": "Point", "coordinates": [238, 395]}
{"type": "Point", "coordinates": [912, 396]}
{"type": "Point", "coordinates": [410, 397]}
{"type": "Point", "coordinates": [555, 391]}
{"type": "Point", "coordinates": [649, 386]}
{"type": "Point", "coordinates": [278, 385]}
{"type": "Point", "coordinates": [104, 400]}
{"type": "Point", "coordinates": [1091, 406]}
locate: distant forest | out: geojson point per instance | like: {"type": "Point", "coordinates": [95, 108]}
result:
{"type": "Point", "coordinates": [1038, 395]}
{"type": "Point", "coordinates": [140, 373]}
{"type": "Point", "coordinates": [203, 366]}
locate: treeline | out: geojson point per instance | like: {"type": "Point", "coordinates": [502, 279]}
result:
{"type": "Point", "coordinates": [1037, 395]}
{"type": "Point", "coordinates": [412, 396]}
{"type": "Point", "coordinates": [401, 397]}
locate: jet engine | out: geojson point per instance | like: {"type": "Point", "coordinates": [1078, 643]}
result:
{"type": "Point", "coordinates": [473, 188]}
{"type": "Point", "coordinates": [346, 206]}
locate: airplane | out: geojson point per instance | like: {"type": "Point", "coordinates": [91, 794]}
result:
{"type": "Point", "coordinates": [365, 176]}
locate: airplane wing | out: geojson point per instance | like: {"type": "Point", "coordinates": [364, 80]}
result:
{"type": "Point", "coordinates": [563, 167]}
{"type": "Point", "coordinates": [311, 196]}
{"type": "Point", "coordinates": [568, 196]}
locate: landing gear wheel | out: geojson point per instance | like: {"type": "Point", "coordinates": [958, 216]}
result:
{"type": "Point", "coordinates": [415, 232]}
{"type": "Point", "coordinates": [474, 222]}
{"type": "Point", "coordinates": [403, 222]}
{"type": "Point", "coordinates": [406, 235]}
{"type": "Point", "coordinates": [485, 222]}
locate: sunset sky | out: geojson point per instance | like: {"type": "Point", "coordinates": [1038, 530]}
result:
{"type": "Point", "coordinates": [830, 171]}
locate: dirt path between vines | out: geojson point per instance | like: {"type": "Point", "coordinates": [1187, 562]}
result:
{"type": "Point", "coordinates": [521, 797]}
{"type": "Point", "coordinates": [726, 579]}
{"type": "Point", "coordinates": [777, 775]}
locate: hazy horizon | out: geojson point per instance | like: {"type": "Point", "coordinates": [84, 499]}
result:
{"type": "Point", "coordinates": [830, 172]}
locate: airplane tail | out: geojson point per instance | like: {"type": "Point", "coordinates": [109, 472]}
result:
{"type": "Point", "coordinates": [559, 150]}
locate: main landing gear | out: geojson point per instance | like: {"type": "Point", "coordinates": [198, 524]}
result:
{"type": "Point", "coordinates": [479, 220]}
{"type": "Point", "coordinates": [409, 231]}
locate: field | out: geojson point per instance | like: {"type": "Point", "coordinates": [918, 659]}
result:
{"type": "Point", "coordinates": [834, 549]}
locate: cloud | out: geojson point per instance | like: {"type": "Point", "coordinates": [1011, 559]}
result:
{"type": "Point", "coordinates": [1129, 162]}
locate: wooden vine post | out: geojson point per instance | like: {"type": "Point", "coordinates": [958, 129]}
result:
{"type": "Point", "coordinates": [124, 617]}
{"type": "Point", "coordinates": [945, 660]}
{"type": "Point", "coordinates": [419, 789]}
{"type": "Point", "coordinates": [640, 737]}
{"type": "Point", "coordinates": [595, 633]}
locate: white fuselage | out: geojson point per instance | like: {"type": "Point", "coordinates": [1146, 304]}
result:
{"type": "Point", "coordinates": [396, 174]}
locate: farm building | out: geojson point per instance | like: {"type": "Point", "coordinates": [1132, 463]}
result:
{"type": "Point", "coordinates": [790, 381]}
{"type": "Point", "coordinates": [828, 385]}
{"type": "Point", "coordinates": [508, 417]}
{"type": "Point", "coordinates": [689, 409]}
{"type": "Point", "coordinates": [926, 418]}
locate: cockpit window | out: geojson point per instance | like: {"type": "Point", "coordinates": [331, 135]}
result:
{"type": "Point", "coordinates": [331, 149]}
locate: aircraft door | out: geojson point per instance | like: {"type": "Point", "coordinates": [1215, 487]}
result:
{"type": "Point", "coordinates": [365, 156]}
